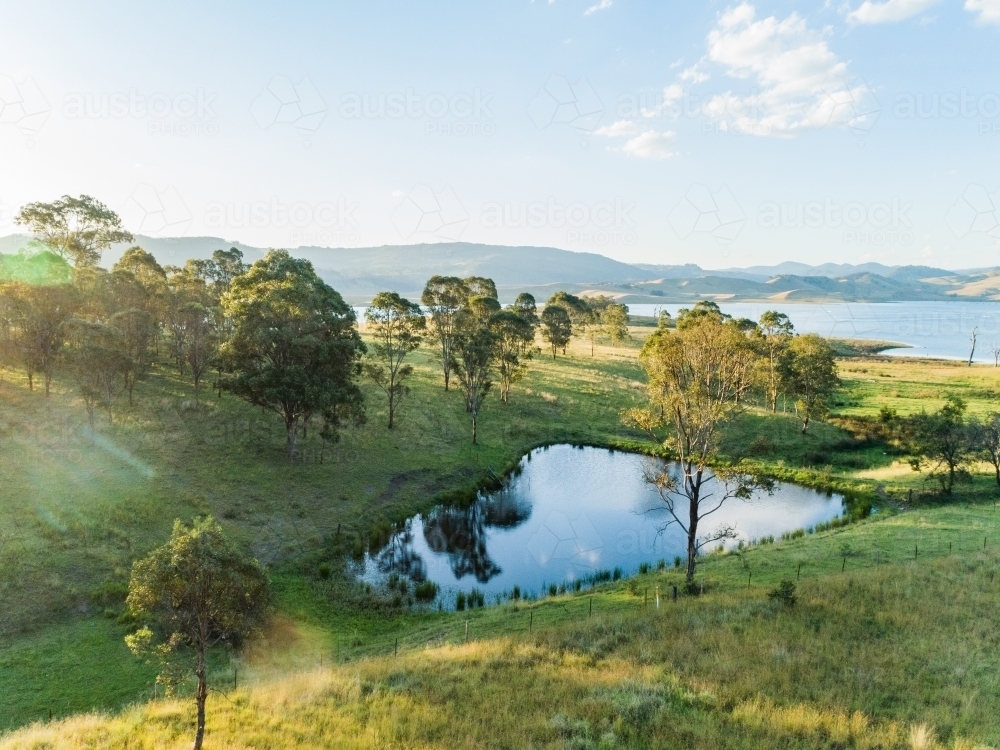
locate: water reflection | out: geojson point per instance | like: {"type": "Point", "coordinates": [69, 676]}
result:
{"type": "Point", "coordinates": [566, 515]}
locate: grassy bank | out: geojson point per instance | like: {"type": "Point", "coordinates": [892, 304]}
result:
{"type": "Point", "coordinates": [80, 507]}
{"type": "Point", "coordinates": [885, 651]}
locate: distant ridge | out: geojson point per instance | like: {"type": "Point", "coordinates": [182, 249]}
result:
{"type": "Point", "coordinates": [359, 273]}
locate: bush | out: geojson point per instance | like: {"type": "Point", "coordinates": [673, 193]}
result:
{"type": "Point", "coordinates": [762, 446]}
{"type": "Point", "coordinates": [476, 598]}
{"type": "Point", "coordinates": [661, 564]}
{"type": "Point", "coordinates": [617, 574]}
{"type": "Point", "coordinates": [643, 568]}
{"type": "Point", "coordinates": [460, 601]}
{"type": "Point", "coordinates": [784, 593]}
{"type": "Point", "coordinates": [426, 591]}
{"type": "Point", "coordinates": [515, 593]}
{"type": "Point", "coordinates": [677, 561]}
{"type": "Point", "coordinates": [324, 571]}
{"type": "Point", "coordinates": [553, 589]}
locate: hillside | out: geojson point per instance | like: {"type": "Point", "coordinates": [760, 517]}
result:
{"type": "Point", "coordinates": [359, 273]}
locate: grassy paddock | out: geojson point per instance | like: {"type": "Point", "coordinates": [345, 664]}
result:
{"type": "Point", "coordinates": [875, 657]}
{"type": "Point", "coordinates": [79, 508]}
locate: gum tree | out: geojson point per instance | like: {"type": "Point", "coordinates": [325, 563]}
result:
{"type": "Point", "coordinates": [693, 387]}
{"type": "Point", "coordinates": [809, 375]}
{"type": "Point", "coordinates": [397, 325]}
{"type": "Point", "coordinates": [444, 296]}
{"type": "Point", "coordinates": [78, 229]}
{"type": "Point", "coordinates": [294, 349]}
{"type": "Point", "coordinates": [198, 592]}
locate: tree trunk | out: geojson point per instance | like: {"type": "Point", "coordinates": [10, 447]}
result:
{"type": "Point", "coordinates": [48, 382]}
{"type": "Point", "coordinates": [473, 428]}
{"type": "Point", "coordinates": [31, 381]}
{"type": "Point", "coordinates": [291, 426]}
{"type": "Point", "coordinates": [392, 403]}
{"type": "Point", "coordinates": [997, 468]}
{"type": "Point", "coordinates": [202, 695]}
{"type": "Point", "coordinates": [692, 537]}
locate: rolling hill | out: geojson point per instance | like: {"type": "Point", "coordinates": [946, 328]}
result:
{"type": "Point", "coordinates": [359, 273]}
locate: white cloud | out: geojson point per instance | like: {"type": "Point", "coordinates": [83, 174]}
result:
{"type": "Point", "coordinates": [801, 82]}
{"type": "Point", "coordinates": [988, 10]}
{"type": "Point", "coordinates": [695, 74]}
{"type": "Point", "coordinates": [889, 11]}
{"type": "Point", "coordinates": [602, 5]}
{"type": "Point", "coordinates": [620, 128]}
{"type": "Point", "coordinates": [651, 145]}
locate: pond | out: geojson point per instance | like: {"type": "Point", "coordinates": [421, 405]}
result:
{"type": "Point", "coordinates": [567, 515]}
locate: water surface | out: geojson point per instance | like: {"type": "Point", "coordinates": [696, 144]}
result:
{"type": "Point", "coordinates": [570, 513]}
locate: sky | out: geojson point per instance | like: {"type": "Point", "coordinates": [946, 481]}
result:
{"type": "Point", "coordinates": [722, 134]}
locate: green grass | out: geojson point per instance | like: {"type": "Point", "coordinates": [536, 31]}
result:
{"type": "Point", "coordinates": [78, 510]}
{"type": "Point", "coordinates": [886, 654]}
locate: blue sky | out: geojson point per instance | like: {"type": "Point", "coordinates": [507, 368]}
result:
{"type": "Point", "coordinates": [714, 133]}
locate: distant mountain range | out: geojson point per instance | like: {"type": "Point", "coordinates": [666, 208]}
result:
{"type": "Point", "coordinates": [359, 273]}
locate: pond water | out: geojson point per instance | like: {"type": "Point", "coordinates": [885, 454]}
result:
{"type": "Point", "coordinates": [930, 329]}
{"type": "Point", "coordinates": [570, 513]}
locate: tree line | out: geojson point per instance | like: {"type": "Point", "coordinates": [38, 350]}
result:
{"type": "Point", "coordinates": [273, 333]}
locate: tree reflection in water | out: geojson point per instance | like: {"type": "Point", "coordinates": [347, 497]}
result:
{"type": "Point", "coordinates": [459, 533]}
{"type": "Point", "coordinates": [399, 557]}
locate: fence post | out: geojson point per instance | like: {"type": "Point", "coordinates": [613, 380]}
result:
{"type": "Point", "coordinates": [466, 630]}
{"type": "Point", "coordinates": [395, 647]}
{"type": "Point", "coordinates": [675, 592]}
{"type": "Point", "coordinates": [591, 606]}
{"type": "Point", "coordinates": [531, 618]}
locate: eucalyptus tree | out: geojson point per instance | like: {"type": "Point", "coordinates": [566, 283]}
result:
{"type": "Point", "coordinates": [397, 325]}
{"type": "Point", "coordinates": [95, 355]}
{"type": "Point", "coordinates": [692, 386]}
{"type": "Point", "coordinates": [39, 314]}
{"type": "Point", "coordinates": [136, 330]}
{"type": "Point", "coordinates": [78, 229]}
{"type": "Point", "coordinates": [809, 375]}
{"type": "Point", "coordinates": [294, 348]}
{"type": "Point", "coordinates": [614, 320]}
{"type": "Point", "coordinates": [777, 331]}
{"type": "Point", "coordinates": [557, 328]}
{"type": "Point", "coordinates": [201, 340]}
{"type": "Point", "coordinates": [475, 354]}
{"type": "Point", "coordinates": [513, 336]}
{"type": "Point", "coordinates": [444, 296]}
{"type": "Point", "coordinates": [199, 592]}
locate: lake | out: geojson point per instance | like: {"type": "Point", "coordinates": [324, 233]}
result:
{"type": "Point", "coordinates": [931, 329]}
{"type": "Point", "coordinates": [568, 514]}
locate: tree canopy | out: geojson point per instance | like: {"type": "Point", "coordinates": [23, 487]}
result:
{"type": "Point", "coordinates": [294, 348]}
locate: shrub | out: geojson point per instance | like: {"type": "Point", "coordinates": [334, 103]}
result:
{"type": "Point", "coordinates": [784, 593]}
{"type": "Point", "coordinates": [661, 564]}
{"type": "Point", "coordinates": [761, 446]}
{"type": "Point", "coordinates": [476, 598]}
{"type": "Point", "coordinates": [677, 561]}
{"type": "Point", "coordinates": [617, 574]}
{"type": "Point", "coordinates": [460, 601]}
{"type": "Point", "coordinates": [426, 591]}
{"type": "Point", "coordinates": [553, 589]}
{"type": "Point", "coordinates": [515, 593]}
{"type": "Point", "coordinates": [324, 571]}
{"type": "Point", "coordinates": [643, 568]}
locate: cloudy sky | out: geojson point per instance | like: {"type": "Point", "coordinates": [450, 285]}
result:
{"type": "Point", "coordinates": [719, 134]}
